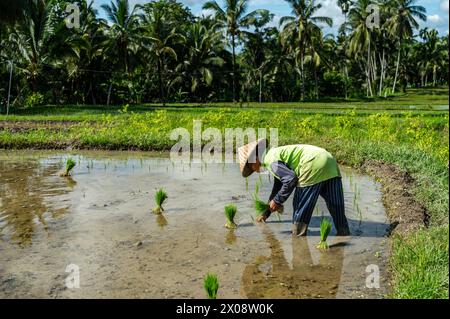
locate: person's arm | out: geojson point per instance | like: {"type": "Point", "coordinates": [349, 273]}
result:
{"type": "Point", "coordinates": [275, 189]}
{"type": "Point", "coordinates": [284, 186]}
{"type": "Point", "coordinates": [288, 180]}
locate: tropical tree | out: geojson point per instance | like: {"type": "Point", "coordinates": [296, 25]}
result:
{"type": "Point", "coordinates": [433, 52]}
{"type": "Point", "coordinates": [89, 43]}
{"type": "Point", "coordinates": [301, 33]}
{"type": "Point", "coordinates": [362, 40]}
{"type": "Point", "coordinates": [33, 39]}
{"type": "Point", "coordinates": [233, 18]}
{"type": "Point", "coordinates": [402, 21]}
{"type": "Point", "coordinates": [254, 52]}
{"type": "Point", "coordinates": [11, 10]}
{"type": "Point", "coordinates": [203, 57]}
{"type": "Point", "coordinates": [123, 29]}
{"type": "Point", "coordinates": [159, 35]}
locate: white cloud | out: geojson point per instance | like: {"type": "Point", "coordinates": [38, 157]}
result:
{"type": "Point", "coordinates": [435, 19]}
{"type": "Point", "coordinates": [276, 21]}
{"type": "Point", "coordinates": [332, 10]}
{"type": "Point", "coordinates": [444, 5]}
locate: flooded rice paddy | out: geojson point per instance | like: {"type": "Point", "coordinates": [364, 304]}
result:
{"type": "Point", "coordinates": [100, 221]}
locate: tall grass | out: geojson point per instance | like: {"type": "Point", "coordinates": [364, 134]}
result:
{"type": "Point", "coordinates": [420, 264]}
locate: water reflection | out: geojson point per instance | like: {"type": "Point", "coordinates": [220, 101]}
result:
{"type": "Point", "coordinates": [230, 237]}
{"type": "Point", "coordinates": [161, 220]}
{"type": "Point", "coordinates": [272, 277]}
{"type": "Point", "coordinates": [24, 189]}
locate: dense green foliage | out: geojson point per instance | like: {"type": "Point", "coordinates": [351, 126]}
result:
{"type": "Point", "coordinates": [161, 52]}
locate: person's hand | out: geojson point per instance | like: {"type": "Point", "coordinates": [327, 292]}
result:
{"type": "Point", "coordinates": [273, 206]}
{"type": "Point", "coordinates": [261, 219]}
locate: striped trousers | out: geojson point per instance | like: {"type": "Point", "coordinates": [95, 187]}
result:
{"type": "Point", "coordinates": [305, 199]}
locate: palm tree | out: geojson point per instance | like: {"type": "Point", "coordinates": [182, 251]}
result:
{"type": "Point", "coordinates": [433, 52]}
{"type": "Point", "coordinates": [11, 10]}
{"type": "Point", "coordinates": [88, 42]}
{"type": "Point", "coordinates": [361, 39]}
{"type": "Point", "coordinates": [254, 52]}
{"type": "Point", "coordinates": [401, 24]}
{"type": "Point", "coordinates": [301, 32]}
{"type": "Point", "coordinates": [204, 47]}
{"type": "Point", "coordinates": [33, 39]}
{"type": "Point", "coordinates": [233, 17]}
{"type": "Point", "coordinates": [159, 35]}
{"type": "Point", "coordinates": [278, 66]}
{"type": "Point", "coordinates": [123, 28]}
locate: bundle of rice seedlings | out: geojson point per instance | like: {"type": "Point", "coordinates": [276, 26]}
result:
{"type": "Point", "coordinates": [70, 164]}
{"type": "Point", "coordinates": [160, 197]}
{"type": "Point", "coordinates": [211, 284]}
{"type": "Point", "coordinates": [325, 229]}
{"type": "Point", "coordinates": [260, 206]}
{"type": "Point", "coordinates": [230, 212]}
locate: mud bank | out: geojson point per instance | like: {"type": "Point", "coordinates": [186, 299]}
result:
{"type": "Point", "coordinates": [100, 220]}
{"type": "Point", "coordinates": [403, 210]}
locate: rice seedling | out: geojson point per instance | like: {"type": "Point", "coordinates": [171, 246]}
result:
{"type": "Point", "coordinates": [325, 229]}
{"type": "Point", "coordinates": [262, 206]}
{"type": "Point", "coordinates": [211, 284]}
{"type": "Point", "coordinates": [70, 164]}
{"type": "Point", "coordinates": [230, 212]}
{"type": "Point", "coordinates": [160, 197]}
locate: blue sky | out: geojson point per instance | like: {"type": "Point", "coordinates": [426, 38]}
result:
{"type": "Point", "coordinates": [437, 11]}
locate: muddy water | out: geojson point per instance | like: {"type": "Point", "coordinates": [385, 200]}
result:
{"type": "Point", "coordinates": [100, 222]}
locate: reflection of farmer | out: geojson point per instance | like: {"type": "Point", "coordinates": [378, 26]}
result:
{"type": "Point", "coordinates": [310, 170]}
{"type": "Point", "coordinates": [272, 277]}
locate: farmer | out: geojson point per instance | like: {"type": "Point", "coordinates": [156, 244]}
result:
{"type": "Point", "coordinates": [309, 170]}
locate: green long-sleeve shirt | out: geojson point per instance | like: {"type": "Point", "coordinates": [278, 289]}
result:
{"type": "Point", "coordinates": [311, 164]}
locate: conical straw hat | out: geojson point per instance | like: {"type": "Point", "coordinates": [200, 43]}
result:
{"type": "Point", "coordinates": [248, 153]}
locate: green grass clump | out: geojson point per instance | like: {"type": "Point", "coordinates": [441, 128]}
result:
{"type": "Point", "coordinates": [70, 164]}
{"type": "Point", "coordinates": [211, 284]}
{"type": "Point", "coordinates": [230, 212]}
{"type": "Point", "coordinates": [325, 229]}
{"type": "Point", "coordinates": [417, 261]}
{"type": "Point", "coordinates": [160, 197]}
